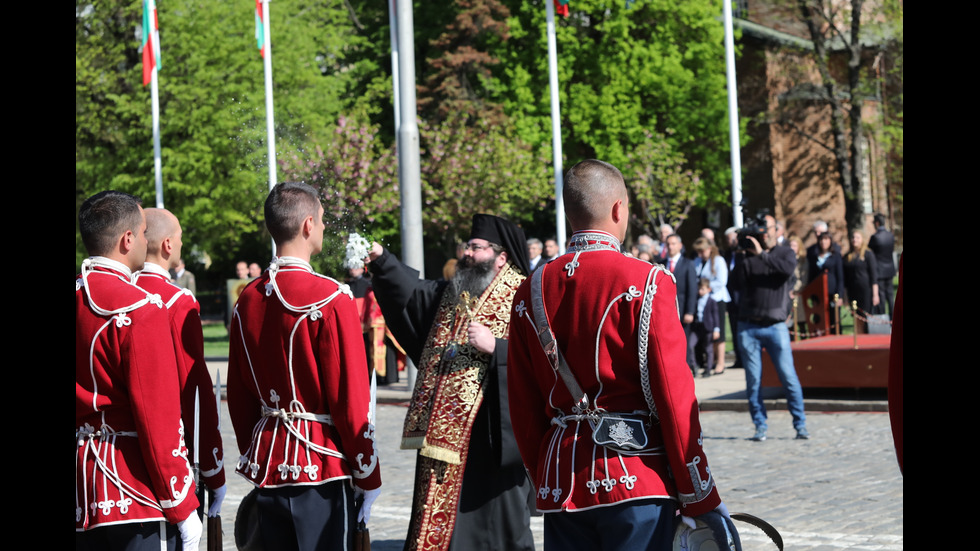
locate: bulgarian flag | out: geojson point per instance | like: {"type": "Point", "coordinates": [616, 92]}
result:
{"type": "Point", "coordinates": [151, 40]}
{"type": "Point", "coordinates": [561, 7]}
{"type": "Point", "coordinates": [259, 28]}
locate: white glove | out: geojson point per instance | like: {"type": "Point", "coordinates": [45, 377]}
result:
{"type": "Point", "coordinates": [720, 509]}
{"type": "Point", "coordinates": [191, 530]}
{"type": "Point", "coordinates": [369, 498]}
{"type": "Point", "coordinates": [723, 511]}
{"type": "Point", "coordinates": [219, 496]}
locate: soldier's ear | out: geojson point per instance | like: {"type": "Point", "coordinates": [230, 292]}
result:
{"type": "Point", "coordinates": [307, 228]}
{"type": "Point", "coordinates": [618, 211]}
{"type": "Point", "coordinates": [126, 242]}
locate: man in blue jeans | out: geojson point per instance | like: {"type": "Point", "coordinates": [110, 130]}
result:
{"type": "Point", "coordinates": [765, 278]}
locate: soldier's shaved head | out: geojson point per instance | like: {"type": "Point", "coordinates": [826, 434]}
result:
{"type": "Point", "coordinates": [164, 238]}
{"type": "Point", "coordinates": [591, 188]}
{"type": "Point", "coordinates": [160, 224]}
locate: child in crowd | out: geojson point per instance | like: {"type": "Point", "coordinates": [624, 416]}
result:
{"type": "Point", "coordinates": [704, 331]}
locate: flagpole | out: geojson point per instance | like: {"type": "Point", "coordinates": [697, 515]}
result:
{"type": "Point", "coordinates": [150, 29]}
{"type": "Point", "coordinates": [157, 164]}
{"type": "Point", "coordinates": [409, 171]}
{"type": "Point", "coordinates": [270, 127]}
{"type": "Point", "coordinates": [393, 25]}
{"type": "Point", "coordinates": [555, 126]}
{"type": "Point", "coordinates": [736, 157]}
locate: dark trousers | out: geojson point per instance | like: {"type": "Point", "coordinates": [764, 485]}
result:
{"type": "Point", "coordinates": [136, 536]}
{"type": "Point", "coordinates": [628, 526]}
{"type": "Point", "coordinates": [307, 517]}
{"type": "Point", "coordinates": [699, 345]}
{"type": "Point", "coordinates": [886, 290]}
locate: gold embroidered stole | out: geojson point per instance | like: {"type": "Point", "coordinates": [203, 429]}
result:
{"type": "Point", "coordinates": [447, 396]}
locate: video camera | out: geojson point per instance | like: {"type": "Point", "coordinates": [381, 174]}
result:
{"type": "Point", "coordinates": [755, 227]}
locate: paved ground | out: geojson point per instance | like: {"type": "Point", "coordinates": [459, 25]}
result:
{"type": "Point", "coordinates": [840, 490]}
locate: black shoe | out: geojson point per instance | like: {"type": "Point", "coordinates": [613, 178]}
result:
{"type": "Point", "coordinates": [802, 434]}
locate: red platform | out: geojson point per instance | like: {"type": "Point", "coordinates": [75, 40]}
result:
{"type": "Point", "coordinates": [834, 362]}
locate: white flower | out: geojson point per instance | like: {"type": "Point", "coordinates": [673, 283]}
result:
{"type": "Point", "coordinates": [357, 250]}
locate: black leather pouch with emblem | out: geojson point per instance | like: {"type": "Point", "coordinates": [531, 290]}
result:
{"type": "Point", "coordinates": [620, 432]}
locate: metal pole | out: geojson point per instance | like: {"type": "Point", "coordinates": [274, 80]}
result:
{"type": "Point", "coordinates": [270, 125]}
{"type": "Point", "coordinates": [393, 24]}
{"type": "Point", "coordinates": [157, 163]}
{"type": "Point", "coordinates": [409, 173]}
{"type": "Point", "coordinates": [736, 157]}
{"type": "Point", "coordinates": [556, 157]}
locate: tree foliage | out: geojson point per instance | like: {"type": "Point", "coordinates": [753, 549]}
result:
{"type": "Point", "coordinates": [654, 66]}
{"type": "Point", "coordinates": [642, 83]}
{"type": "Point", "coordinates": [458, 78]}
{"type": "Point", "coordinates": [663, 190]}
{"type": "Point", "coordinates": [850, 39]}
{"type": "Point", "coordinates": [466, 167]}
{"type": "Point", "coordinates": [211, 104]}
{"type": "Point", "coordinates": [478, 167]}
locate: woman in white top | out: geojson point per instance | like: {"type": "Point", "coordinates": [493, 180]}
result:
{"type": "Point", "coordinates": [712, 266]}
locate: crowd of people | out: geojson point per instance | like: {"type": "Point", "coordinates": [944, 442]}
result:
{"type": "Point", "coordinates": [547, 380]}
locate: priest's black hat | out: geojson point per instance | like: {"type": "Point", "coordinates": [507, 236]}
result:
{"type": "Point", "coordinates": [506, 234]}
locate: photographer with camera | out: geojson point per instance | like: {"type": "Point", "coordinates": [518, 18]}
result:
{"type": "Point", "coordinates": [764, 279]}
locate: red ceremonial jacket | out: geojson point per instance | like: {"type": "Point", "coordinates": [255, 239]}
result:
{"type": "Point", "coordinates": [595, 299]}
{"type": "Point", "coordinates": [298, 388]}
{"type": "Point", "coordinates": [130, 460]}
{"type": "Point", "coordinates": [195, 380]}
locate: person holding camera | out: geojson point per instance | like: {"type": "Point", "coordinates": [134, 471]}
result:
{"type": "Point", "coordinates": [764, 279]}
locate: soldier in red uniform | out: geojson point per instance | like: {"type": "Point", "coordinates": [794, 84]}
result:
{"type": "Point", "coordinates": [163, 236]}
{"type": "Point", "coordinates": [613, 464]}
{"type": "Point", "coordinates": [133, 484]}
{"type": "Point", "coordinates": [297, 391]}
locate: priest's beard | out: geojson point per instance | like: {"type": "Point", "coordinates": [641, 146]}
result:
{"type": "Point", "coordinates": [472, 276]}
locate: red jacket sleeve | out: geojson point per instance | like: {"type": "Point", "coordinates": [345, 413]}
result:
{"type": "Point", "coordinates": [345, 379]}
{"type": "Point", "coordinates": [154, 393]}
{"type": "Point", "coordinates": [677, 406]}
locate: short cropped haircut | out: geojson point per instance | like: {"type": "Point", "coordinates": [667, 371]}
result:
{"type": "Point", "coordinates": [288, 204]}
{"type": "Point", "coordinates": [104, 217]}
{"type": "Point", "coordinates": [591, 187]}
{"type": "Point", "coordinates": [160, 224]}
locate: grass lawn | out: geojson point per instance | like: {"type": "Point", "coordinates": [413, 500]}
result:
{"type": "Point", "coordinates": [215, 340]}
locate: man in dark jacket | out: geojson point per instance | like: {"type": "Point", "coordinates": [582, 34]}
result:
{"type": "Point", "coordinates": [764, 279]}
{"type": "Point", "coordinates": [882, 243]}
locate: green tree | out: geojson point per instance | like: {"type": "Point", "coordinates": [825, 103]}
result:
{"type": "Point", "coordinates": [663, 190]}
{"type": "Point", "coordinates": [655, 66]}
{"type": "Point", "coordinates": [212, 106]}
{"type": "Point", "coordinates": [466, 168]}
{"type": "Point", "coordinates": [458, 79]}
{"type": "Point", "coordinates": [849, 41]}
{"type": "Point", "coordinates": [478, 167]}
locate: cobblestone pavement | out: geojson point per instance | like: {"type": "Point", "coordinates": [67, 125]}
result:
{"type": "Point", "coordinates": [839, 490]}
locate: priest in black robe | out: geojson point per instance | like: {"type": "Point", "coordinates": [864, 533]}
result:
{"type": "Point", "coordinates": [471, 489]}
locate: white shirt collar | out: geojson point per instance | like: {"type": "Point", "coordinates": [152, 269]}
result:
{"type": "Point", "coordinates": [156, 269]}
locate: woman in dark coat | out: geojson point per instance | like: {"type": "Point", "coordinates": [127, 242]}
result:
{"type": "Point", "coordinates": [828, 261]}
{"type": "Point", "coordinates": [861, 278]}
